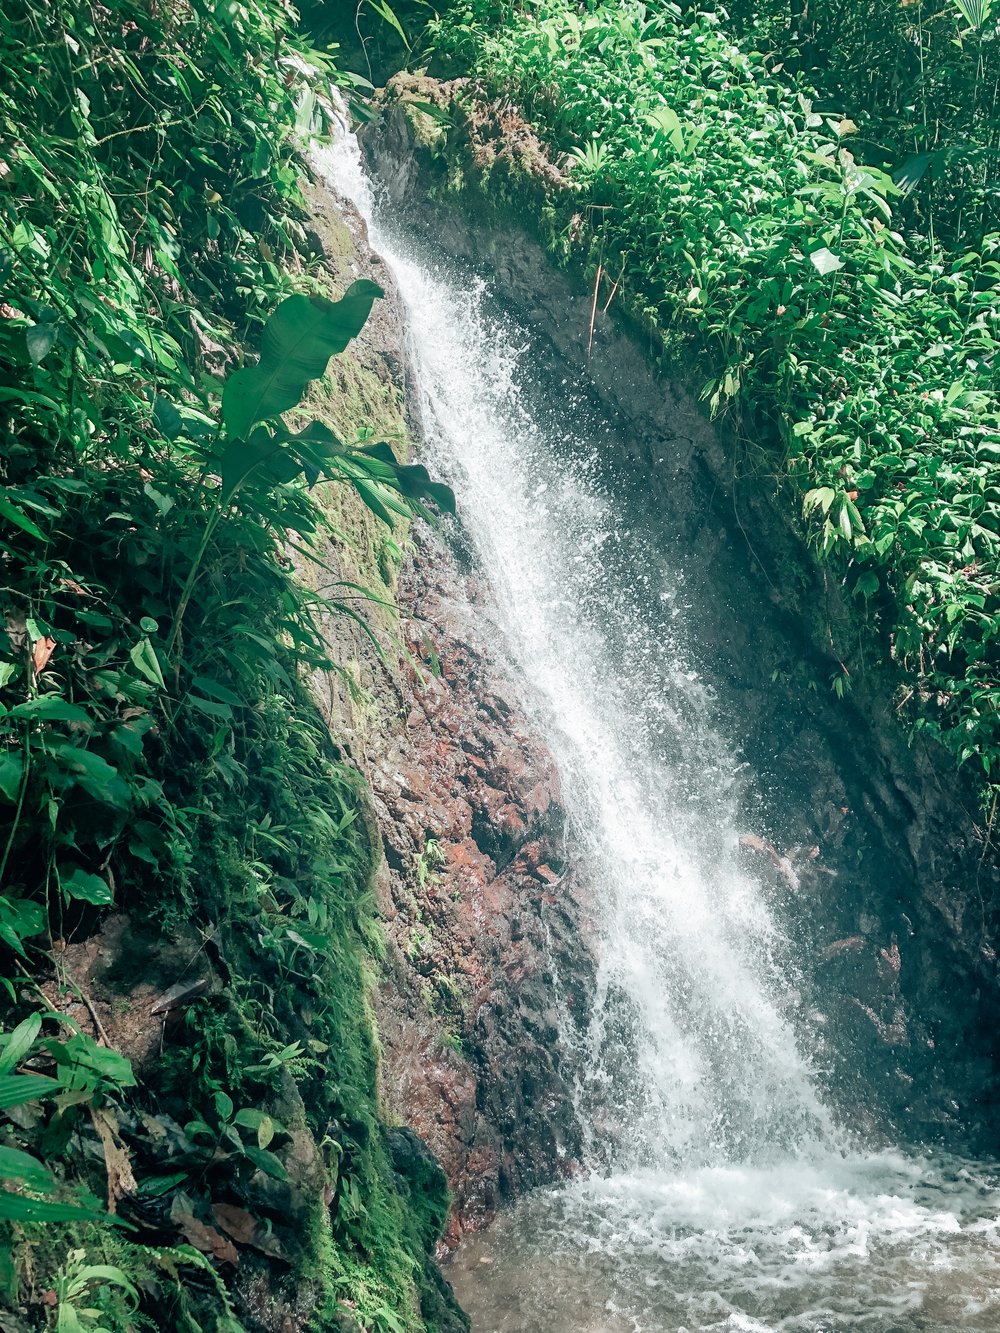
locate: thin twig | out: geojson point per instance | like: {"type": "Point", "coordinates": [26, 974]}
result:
{"type": "Point", "coordinates": [607, 304]}
{"type": "Point", "coordinates": [593, 309]}
{"type": "Point", "coordinates": [98, 1025]}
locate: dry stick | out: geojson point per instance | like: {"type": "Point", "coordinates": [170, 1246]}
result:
{"type": "Point", "coordinates": [71, 981]}
{"type": "Point", "coordinates": [74, 985]}
{"type": "Point", "coordinates": [98, 1025]}
{"type": "Point", "coordinates": [607, 304]}
{"type": "Point", "coordinates": [593, 309]}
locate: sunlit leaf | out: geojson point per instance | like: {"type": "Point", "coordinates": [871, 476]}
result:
{"type": "Point", "coordinates": [40, 339]}
{"type": "Point", "coordinates": [825, 261]}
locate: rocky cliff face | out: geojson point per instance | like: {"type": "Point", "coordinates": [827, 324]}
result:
{"type": "Point", "coordinates": [489, 957]}
{"type": "Point", "coordinates": [487, 913]}
{"type": "Point", "coordinates": [870, 841]}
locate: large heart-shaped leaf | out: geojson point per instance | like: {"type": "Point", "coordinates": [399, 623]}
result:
{"type": "Point", "coordinates": [299, 339]}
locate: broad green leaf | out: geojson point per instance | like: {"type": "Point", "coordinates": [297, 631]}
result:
{"type": "Point", "coordinates": [11, 775]}
{"type": "Point", "coordinates": [223, 1105]}
{"type": "Point", "coordinates": [314, 448]}
{"type": "Point", "coordinates": [975, 12]}
{"type": "Point", "coordinates": [241, 457]}
{"type": "Point", "coordinates": [81, 1054]}
{"type": "Point", "coordinates": [215, 690]}
{"type": "Point", "coordinates": [51, 708]}
{"type": "Point", "coordinates": [14, 515]}
{"type": "Point", "coordinates": [298, 341]}
{"type": "Point", "coordinates": [373, 501]}
{"type": "Point", "coordinates": [20, 920]}
{"type": "Point", "coordinates": [266, 1162]}
{"type": "Point", "coordinates": [383, 452]}
{"type": "Point", "coordinates": [8, 394]}
{"type": "Point", "coordinates": [415, 483]}
{"type": "Point", "coordinates": [666, 119]}
{"type": "Point", "coordinates": [96, 776]}
{"type": "Point", "coordinates": [821, 498]}
{"type": "Point", "coordinates": [166, 418]}
{"type": "Point", "coordinates": [264, 1126]}
{"type": "Point", "coordinates": [154, 1186]}
{"type": "Point", "coordinates": [17, 1165]}
{"type": "Point", "coordinates": [19, 1042]}
{"type": "Point", "coordinates": [91, 1273]}
{"type": "Point", "coordinates": [85, 887]}
{"type": "Point", "coordinates": [143, 657]}
{"type": "Point", "coordinates": [19, 1208]}
{"type": "Point", "coordinates": [40, 338]}
{"type": "Point", "coordinates": [17, 1089]}
{"type": "Point", "coordinates": [210, 707]}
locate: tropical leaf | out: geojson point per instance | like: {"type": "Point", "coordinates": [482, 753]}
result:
{"type": "Point", "coordinates": [825, 261]}
{"type": "Point", "coordinates": [19, 1042]}
{"type": "Point", "coordinates": [21, 1208]}
{"type": "Point", "coordinates": [18, 1089]}
{"type": "Point", "coordinates": [299, 339]}
{"type": "Point", "coordinates": [975, 12]}
{"type": "Point", "coordinates": [84, 887]}
{"type": "Point", "coordinates": [386, 13]}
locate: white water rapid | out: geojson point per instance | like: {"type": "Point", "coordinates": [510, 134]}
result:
{"type": "Point", "coordinates": [718, 1194]}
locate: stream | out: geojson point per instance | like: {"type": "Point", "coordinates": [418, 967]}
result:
{"type": "Point", "coordinates": [719, 1189]}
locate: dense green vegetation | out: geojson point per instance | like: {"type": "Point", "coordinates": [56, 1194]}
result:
{"type": "Point", "coordinates": [923, 84]}
{"type": "Point", "coordinates": [750, 230]}
{"type": "Point", "coordinates": [159, 755]}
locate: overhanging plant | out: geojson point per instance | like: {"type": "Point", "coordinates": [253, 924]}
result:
{"type": "Point", "coordinates": [257, 452]}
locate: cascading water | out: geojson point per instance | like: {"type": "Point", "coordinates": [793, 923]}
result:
{"type": "Point", "coordinates": [719, 1193]}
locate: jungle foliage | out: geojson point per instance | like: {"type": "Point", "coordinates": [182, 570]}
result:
{"type": "Point", "coordinates": [748, 228]}
{"type": "Point", "coordinates": [923, 83]}
{"type": "Point", "coordinates": [159, 756]}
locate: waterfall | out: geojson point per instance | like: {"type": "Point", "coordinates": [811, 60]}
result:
{"type": "Point", "coordinates": [695, 980]}
{"type": "Point", "coordinates": [713, 1157]}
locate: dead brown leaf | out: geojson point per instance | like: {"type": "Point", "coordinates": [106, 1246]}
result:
{"type": "Point", "coordinates": [71, 585]}
{"type": "Point", "coordinates": [42, 651]}
{"type": "Point", "coordinates": [246, 1229]}
{"type": "Point", "coordinates": [121, 1181]}
{"type": "Point", "coordinates": [207, 1239]}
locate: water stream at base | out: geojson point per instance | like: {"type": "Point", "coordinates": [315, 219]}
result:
{"type": "Point", "coordinates": [717, 1191]}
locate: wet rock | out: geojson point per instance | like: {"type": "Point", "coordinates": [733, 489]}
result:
{"type": "Point", "coordinates": [479, 909]}
{"type": "Point", "coordinates": [467, 801]}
